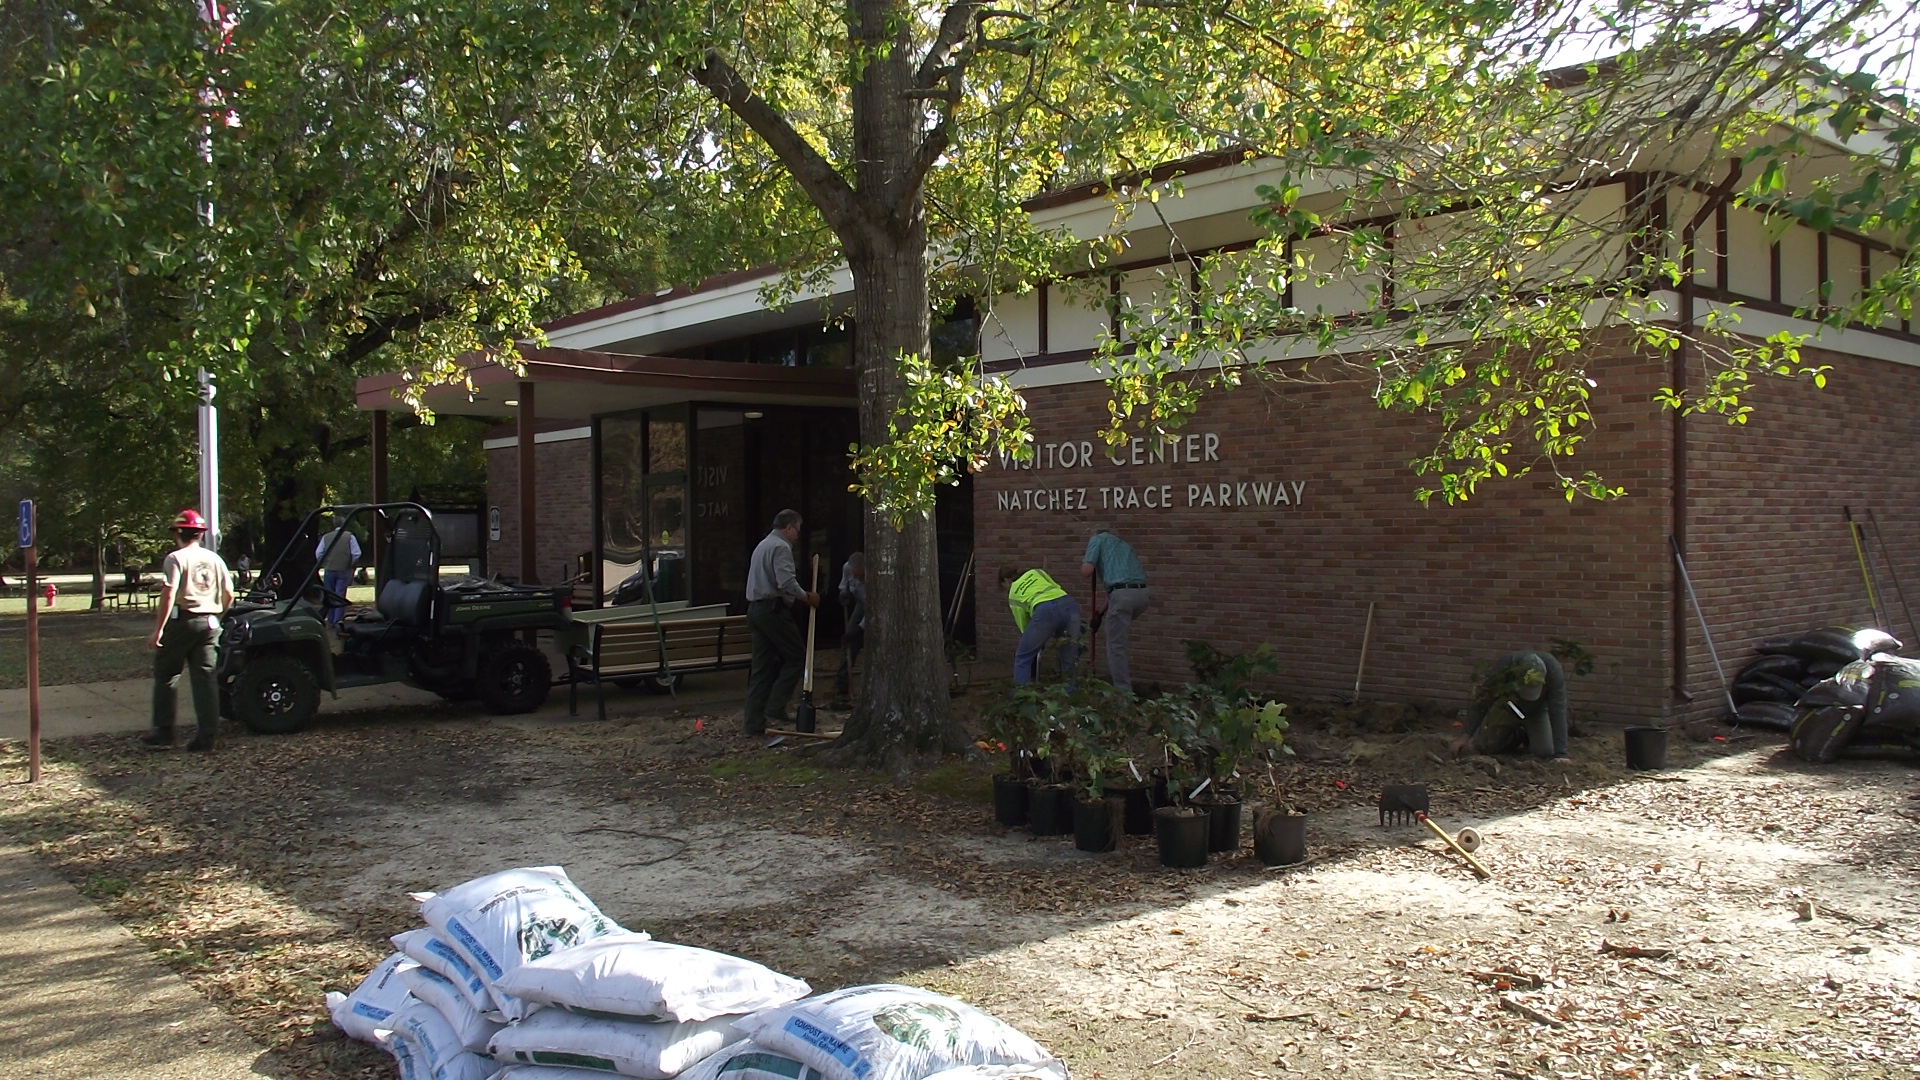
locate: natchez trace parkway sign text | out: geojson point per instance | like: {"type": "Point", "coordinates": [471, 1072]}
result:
{"type": "Point", "coordinates": [1192, 452]}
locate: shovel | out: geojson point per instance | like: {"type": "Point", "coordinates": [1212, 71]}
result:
{"type": "Point", "coordinates": [803, 712]}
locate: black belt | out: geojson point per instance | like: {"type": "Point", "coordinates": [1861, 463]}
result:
{"type": "Point", "coordinates": [770, 600]}
{"type": "Point", "coordinates": [1130, 585]}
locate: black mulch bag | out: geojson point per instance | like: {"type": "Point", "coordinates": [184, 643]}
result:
{"type": "Point", "coordinates": [1790, 667]}
{"type": "Point", "coordinates": [631, 591]}
{"type": "Point", "coordinates": [1829, 643]}
{"type": "Point", "coordinates": [1777, 646]}
{"type": "Point", "coordinates": [1825, 669]}
{"type": "Point", "coordinates": [1893, 700]}
{"type": "Point", "coordinates": [1820, 735]}
{"type": "Point", "coordinates": [1849, 686]}
{"type": "Point", "coordinates": [1763, 688]}
{"type": "Point", "coordinates": [1773, 715]}
{"type": "Point", "coordinates": [1870, 641]}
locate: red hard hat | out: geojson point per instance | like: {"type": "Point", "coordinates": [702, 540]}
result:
{"type": "Point", "coordinates": [190, 519]}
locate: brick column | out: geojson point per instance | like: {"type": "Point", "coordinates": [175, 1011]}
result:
{"type": "Point", "coordinates": [528, 495]}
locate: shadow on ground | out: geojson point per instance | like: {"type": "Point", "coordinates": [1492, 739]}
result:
{"type": "Point", "coordinates": [275, 869]}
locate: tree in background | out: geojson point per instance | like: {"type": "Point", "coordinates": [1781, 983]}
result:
{"type": "Point", "coordinates": [411, 182]}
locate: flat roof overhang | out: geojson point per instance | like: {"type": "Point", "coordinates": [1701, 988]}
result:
{"type": "Point", "coordinates": [577, 384]}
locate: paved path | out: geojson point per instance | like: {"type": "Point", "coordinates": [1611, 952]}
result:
{"type": "Point", "coordinates": [86, 1001]}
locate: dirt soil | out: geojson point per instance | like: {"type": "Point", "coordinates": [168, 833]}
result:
{"type": "Point", "coordinates": [1737, 915]}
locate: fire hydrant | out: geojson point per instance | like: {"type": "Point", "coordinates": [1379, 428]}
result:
{"type": "Point", "coordinates": [51, 593]}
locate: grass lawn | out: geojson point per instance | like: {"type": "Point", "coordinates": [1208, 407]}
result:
{"type": "Point", "coordinates": [77, 646]}
{"type": "Point", "coordinates": [81, 646]}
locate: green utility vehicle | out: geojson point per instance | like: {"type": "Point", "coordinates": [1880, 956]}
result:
{"type": "Point", "coordinates": [467, 637]}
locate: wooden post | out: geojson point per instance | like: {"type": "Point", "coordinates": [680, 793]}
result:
{"type": "Point", "coordinates": [529, 550]}
{"type": "Point", "coordinates": [33, 666]}
{"type": "Point", "coordinates": [377, 450]}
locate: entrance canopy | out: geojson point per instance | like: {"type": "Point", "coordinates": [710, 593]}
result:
{"type": "Point", "coordinates": [576, 384]}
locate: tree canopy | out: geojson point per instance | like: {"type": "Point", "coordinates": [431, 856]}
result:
{"type": "Point", "coordinates": [397, 185]}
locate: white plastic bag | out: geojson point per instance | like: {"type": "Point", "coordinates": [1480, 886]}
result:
{"type": "Point", "coordinates": [377, 998]}
{"type": "Point", "coordinates": [501, 921]}
{"type": "Point", "coordinates": [631, 975]}
{"type": "Point", "coordinates": [748, 1060]}
{"type": "Point", "coordinates": [632, 1048]}
{"type": "Point", "coordinates": [888, 1032]}
{"type": "Point", "coordinates": [472, 1029]}
{"type": "Point", "coordinates": [427, 950]}
{"type": "Point", "coordinates": [1050, 1071]}
{"type": "Point", "coordinates": [546, 1072]}
{"type": "Point", "coordinates": [423, 1043]}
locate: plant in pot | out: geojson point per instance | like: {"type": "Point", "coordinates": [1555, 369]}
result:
{"type": "Point", "coordinates": [1279, 834]}
{"type": "Point", "coordinates": [1229, 725]}
{"type": "Point", "coordinates": [1179, 827]}
{"type": "Point", "coordinates": [1016, 724]}
{"type": "Point", "coordinates": [1093, 738]}
{"type": "Point", "coordinates": [1050, 807]}
{"type": "Point", "coordinates": [1235, 733]}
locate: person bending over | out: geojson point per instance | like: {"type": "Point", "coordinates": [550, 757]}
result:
{"type": "Point", "coordinates": [1042, 611]}
{"type": "Point", "coordinates": [1522, 701]}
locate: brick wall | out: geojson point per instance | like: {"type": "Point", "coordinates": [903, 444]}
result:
{"type": "Point", "coordinates": [1453, 586]}
{"type": "Point", "coordinates": [563, 485]}
{"type": "Point", "coordinates": [1769, 550]}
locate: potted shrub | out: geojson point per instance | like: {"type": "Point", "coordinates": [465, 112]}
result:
{"type": "Point", "coordinates": [1179, 827]}
{"type": "Point", "coordinates": [1096, 727]}
{"type": "Point", "coordinates": [1279, 834]}
{"type": "Point", "coordinates": [1015, 725]}
{"type": "Point", "coordinates": [1221, 725]}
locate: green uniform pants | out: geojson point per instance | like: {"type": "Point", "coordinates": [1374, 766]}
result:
{"type": "Point", "coordinates": [779, 653]}
{"type": "Point", "coordinates": [187, 640]}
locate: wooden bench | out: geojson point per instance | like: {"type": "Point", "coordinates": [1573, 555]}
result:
{"type": "Point", "coordinates": [662, 654]}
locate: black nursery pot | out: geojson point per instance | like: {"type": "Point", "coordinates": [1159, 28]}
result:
{"type": "Point", "coordinates": [1646, 748]}
{"type": "Point", "coordinates": [1010, 800]}
{"type": "Point", "coordinates": [1051, 811]}
{"type": "Point", "coordinates": [1097, 824]}
{"type": "Point", "coordinates": [1138, 809]}
{"type": "Point", "coordinates": [1182, 836]}
{"type": "Point", "coordinates": [1223, 825]}
{"type": "Point", "coordinates": [1279, 839]}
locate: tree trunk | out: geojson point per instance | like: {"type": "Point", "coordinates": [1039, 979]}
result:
{"type": "Point", "coordinates": [99, 573]}
{"type": "Point", "coordinates": [903, 711]}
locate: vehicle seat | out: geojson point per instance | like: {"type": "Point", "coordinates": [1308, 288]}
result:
{"type": "Point", "coordinates": [401, 604]}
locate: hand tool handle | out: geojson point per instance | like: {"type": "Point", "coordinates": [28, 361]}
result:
{"type": "Point", "coordinates": [812, 614]}
{"type": "Point", "coordinates": [1478, 869]}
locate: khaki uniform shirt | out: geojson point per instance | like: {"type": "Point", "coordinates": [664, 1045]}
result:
{"type": "Point", "coordinates": [201, 584]}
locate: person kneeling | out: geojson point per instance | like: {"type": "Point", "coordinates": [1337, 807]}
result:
{"type": "Point", "coordinates": [1521, 701]}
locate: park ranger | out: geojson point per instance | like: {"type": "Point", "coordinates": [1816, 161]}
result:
{"type": "Point", "coordinates": [1522, 699]}
{"type": "Point", "coordinates": [1111, 563]}
{"type": "Point", "coordinates": [196, 589]}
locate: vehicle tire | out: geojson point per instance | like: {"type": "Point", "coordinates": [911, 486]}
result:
{"type": "Point", "coordinates": [514, 679]}
{"type": "Point", "coordinates": [275, 694]}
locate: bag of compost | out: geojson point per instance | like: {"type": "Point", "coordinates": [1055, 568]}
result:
{"type": "Point", "coordinates": [633, 976]}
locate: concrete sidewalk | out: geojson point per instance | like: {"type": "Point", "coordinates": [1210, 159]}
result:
{"type": "Point", "coordinates": [86, 1000]}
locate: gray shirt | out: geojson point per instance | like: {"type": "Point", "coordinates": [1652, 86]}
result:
{"type": "Point", "coordinates": [770, 571]}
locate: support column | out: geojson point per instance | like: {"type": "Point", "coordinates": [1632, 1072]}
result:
{"type": "Point", "coordinates": [529, 551]}
{"type": "Point", "coordinates": [377, 450]}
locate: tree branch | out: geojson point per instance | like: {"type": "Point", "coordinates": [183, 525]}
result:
{"type": "Point", "coordinates": [824, 185]}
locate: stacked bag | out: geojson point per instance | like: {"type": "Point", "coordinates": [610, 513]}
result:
{"type": "Point", "coordinates": [1768, 690]}
{"type": "Point", "coordinates": [518, 976]}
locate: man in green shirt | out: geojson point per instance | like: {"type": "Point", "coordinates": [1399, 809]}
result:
{"type": "Point", "coordinates": [1111, 563]}
{"type": "Point", "coordinates": [1042, 611]}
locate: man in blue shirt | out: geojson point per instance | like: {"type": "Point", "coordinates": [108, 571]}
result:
{"type": "Point", "coordinates": [1111, 563]}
